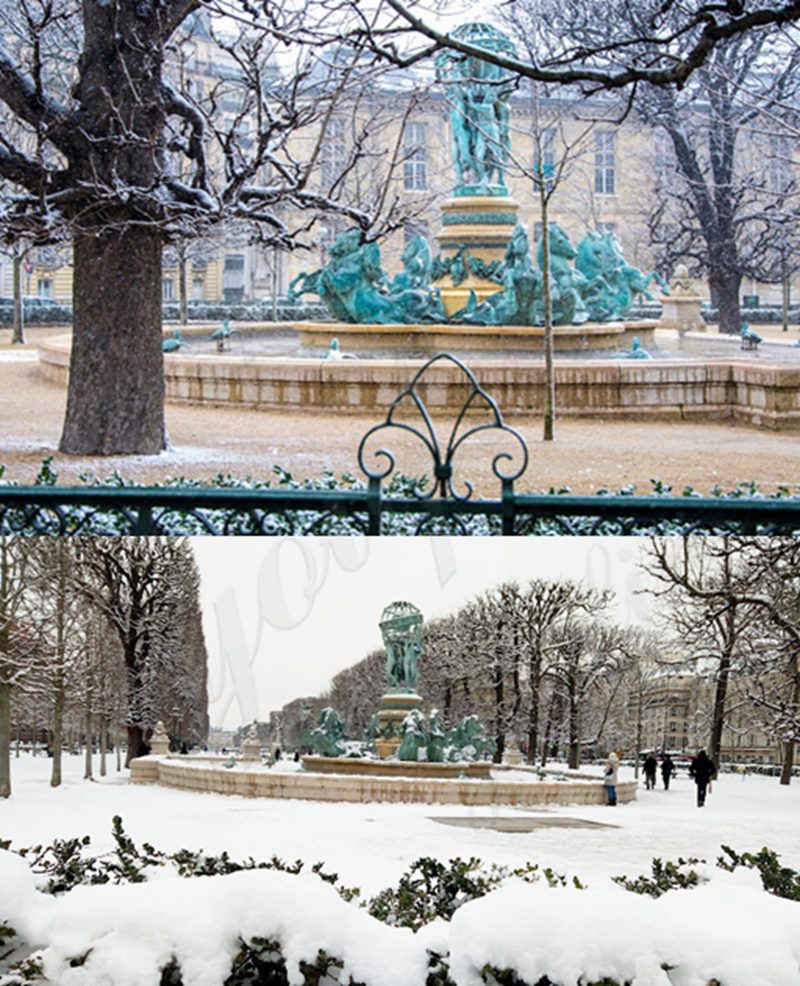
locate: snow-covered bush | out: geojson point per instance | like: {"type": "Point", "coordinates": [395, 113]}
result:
{"type": "Point", "coordinates": [139, 916]}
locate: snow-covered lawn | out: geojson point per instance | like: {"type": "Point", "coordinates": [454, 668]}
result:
{"type": "Point", "coordinates": [727, 930]}
{"type": "Point", "coordinates": [371, 845]}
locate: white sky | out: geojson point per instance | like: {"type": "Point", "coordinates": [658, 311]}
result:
{"type": "Point", "coordinates": [283, 616]}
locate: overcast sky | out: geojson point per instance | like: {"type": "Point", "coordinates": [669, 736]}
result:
{"type": "Point", "coordinates": [283, 616]}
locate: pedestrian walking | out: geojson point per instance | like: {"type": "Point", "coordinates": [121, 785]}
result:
{"type": "Point", "coordinates": [650, 768]}
{"type": "Point", "coordinates": [702, 769]}
{"type": "Point", "coordinates": [610, 779]}
{"type": "Point", "coordinates": [667, 770]}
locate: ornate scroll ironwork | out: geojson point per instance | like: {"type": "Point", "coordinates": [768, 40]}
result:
{"type": "Point", "coordinates": [443, 456]}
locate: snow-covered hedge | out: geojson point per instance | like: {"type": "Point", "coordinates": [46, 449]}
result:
{"type": "Point", "coordinates": [249, 311]}
{"type": "Point", "coordinates": [764, 315]}
{"type": "Point", "coordinates": [92, 521]}
{"type": "Point", "coordinates": [141, 918]}
{"type": "Point", "coordinates": [38, 314]}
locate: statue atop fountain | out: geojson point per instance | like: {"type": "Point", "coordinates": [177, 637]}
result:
{"type": "Point", "coordinates": [478, 93]}
{"type": "Point", "coordinates": [401, 629]}
{"type": "Point", "coordinates": [479, 218]}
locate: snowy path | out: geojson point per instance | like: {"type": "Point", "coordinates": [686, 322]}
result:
{"type": "Point", "coordinates": [370, 845]}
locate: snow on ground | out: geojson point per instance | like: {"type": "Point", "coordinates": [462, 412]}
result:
{"type": "Point", "coordinates": [371, 845]}
{"type": "Point", "coordinates": [727, 929]}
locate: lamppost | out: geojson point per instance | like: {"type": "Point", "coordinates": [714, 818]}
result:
{"type": "Point", "coordinates": [176, 743]}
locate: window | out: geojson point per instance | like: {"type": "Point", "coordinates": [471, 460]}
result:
{"type": "Point", "coordinates": [414, 227]}
{"type": "Point", "coordinates": [547, 145]}
{"type": "Point", "coordinates": [168, 290]}
{"type": "Point", "coordinates": [605, 162]}
{"type": "Point", "coordinates": [327, 237]}
{"type": "Point", "coordinates": [415, 157]}
{"type": "Point", "coordinates": [664, 156]}
{"type": "Point", "coordinates": [233, 277]}
{"type": "Point", "coordinates": [612, 229]}
{"type": "Point", "coordinates": [334, 150]}
{"type": "Point", "coordinates": [779, 171]}
{"type": "Point", "coordinates": [197, 289]}
{"type": "Point", "coordinates": [45, 288]}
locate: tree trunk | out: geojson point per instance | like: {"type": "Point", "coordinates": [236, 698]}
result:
{"type": "Point", "coordinates": [136, 744]}
{"type": "Point", "coordinates": [574, 756]}
{"type": "Point", "coordinates": [548, 433]}
{"type": "Point", "coordinates": [533, 710]}
{"type": "Point", "coordinates": [499, 715]}
{"type": "Point", "coordinates": [183, 298]}
{"type": "Point", "coordinates": [58, 725]}
{"type": "Point", "coordinates": [18, 332]}
{"type": "Point", "coordinates": [275, 270]}
{"type": "Point", "coordinates": [115, 403]}
{"type": "Point", "coordinates": [117, 748]}
{"type": "Point", "coordinates": [788, 753]}
{"type": "Point", "coordinates": [5, 739]}
{"type": "Point", "coordinates": [103, 745]}
{"type": "Point", "coordinates": [718, 716]}
{"type": "Point", "coordinates": [87, 763]}
{"type": "Point", "coordinates": [786, 293]}
{"type": "Point", "coordinates": [725, 286]}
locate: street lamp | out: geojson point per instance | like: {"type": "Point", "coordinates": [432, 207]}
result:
{"type": "Point", "coordinates": [176, 745]}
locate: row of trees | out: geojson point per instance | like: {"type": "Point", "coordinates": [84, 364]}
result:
{"type": "Point", "coordinates": [543, 663]}
{"type": "Point", "coordinates": [99, 639]}
{"type": "Point", "coordinates": [734, 603]}
{"type": "Point", "coordinates": [102, 148]}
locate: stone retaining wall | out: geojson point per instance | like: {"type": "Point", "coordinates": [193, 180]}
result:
{"type": "Point", "coordinates": [763, 394]}
{"type": "Point", "coordinates": [303, 786]}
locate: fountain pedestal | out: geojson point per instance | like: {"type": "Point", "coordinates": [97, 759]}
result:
{"type": "Point", "coordinates": [484, 224]}
{"type": "Point", "coordinates": [395, 706]}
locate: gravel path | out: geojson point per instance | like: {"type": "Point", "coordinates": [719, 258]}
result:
{"type": "Point", "coordinates": [588, 454]}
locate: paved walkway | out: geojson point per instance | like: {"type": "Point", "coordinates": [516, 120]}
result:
{"type": "Point", "coordinates": [588, 454]}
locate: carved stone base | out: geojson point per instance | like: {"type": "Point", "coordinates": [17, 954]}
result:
{"type": "Point", "coordinates": [682, 314]}
{"type": "Point", "coordinates": [394, 708]}
{"type": "Point", "coordinates": [484, 224]}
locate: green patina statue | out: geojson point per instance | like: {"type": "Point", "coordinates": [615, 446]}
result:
{"type": "Point", "coordinates": [174, 343]}
{"type": "Point", "coordinates": [566, 282]}
{"type": "Point", "coordinates": [478, 94]}
{"type": "Point", "coordinates": [521, 296]}
{"type": "Point", "coordinates": [414, 737]}
{"type": "Point", "coordinates": [468, 741]}
{"type": "Point", "coordinates": [637, 350]}
{"type": "Point", "coordinates": [401, 628]}
{"type": "Point", "coordinates": [437, 738]}
{"type": "Point", "coordinates": [328, 737]}
{"type": "Point", "coordinates": [354, 287]}
{"type": "Point", "coordinates": [610, 283]}
{"type": "Point", "coordinates": [416, 273]}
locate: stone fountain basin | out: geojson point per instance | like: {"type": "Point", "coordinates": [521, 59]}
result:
{"type": "Point", "coordinates": [254, 781]}
{"type": "Point", "coordinates": [432, 339]}
{"type": "Point", "coordinates": [397, 768]}
{"type": "Point", "coordinates": [760, 390]}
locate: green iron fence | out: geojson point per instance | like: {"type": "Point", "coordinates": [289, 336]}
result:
{"type": "Point", "coordinates": [380, 505]}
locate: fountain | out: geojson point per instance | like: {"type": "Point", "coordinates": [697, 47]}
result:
{"type": "Point", "coordinates": [480, 298]}
{"type": "Point", "coordinates": [417, 759]}
{"type": "Point", "coordinates": [482, 291]}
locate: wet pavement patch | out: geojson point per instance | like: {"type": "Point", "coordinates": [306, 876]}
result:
{"type": "Point", "coordinates": [516, 824]}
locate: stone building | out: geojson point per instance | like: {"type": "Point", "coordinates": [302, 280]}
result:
{"type": "Point", "coordinates": [611, 176]}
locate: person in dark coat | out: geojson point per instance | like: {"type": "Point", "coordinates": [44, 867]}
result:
{"type": "Point", "coordinates": [667, 770]}
{"type": "Point", "coordinates": [650, 767]}
{"type": "Point", "coordinates": [702, 770]}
